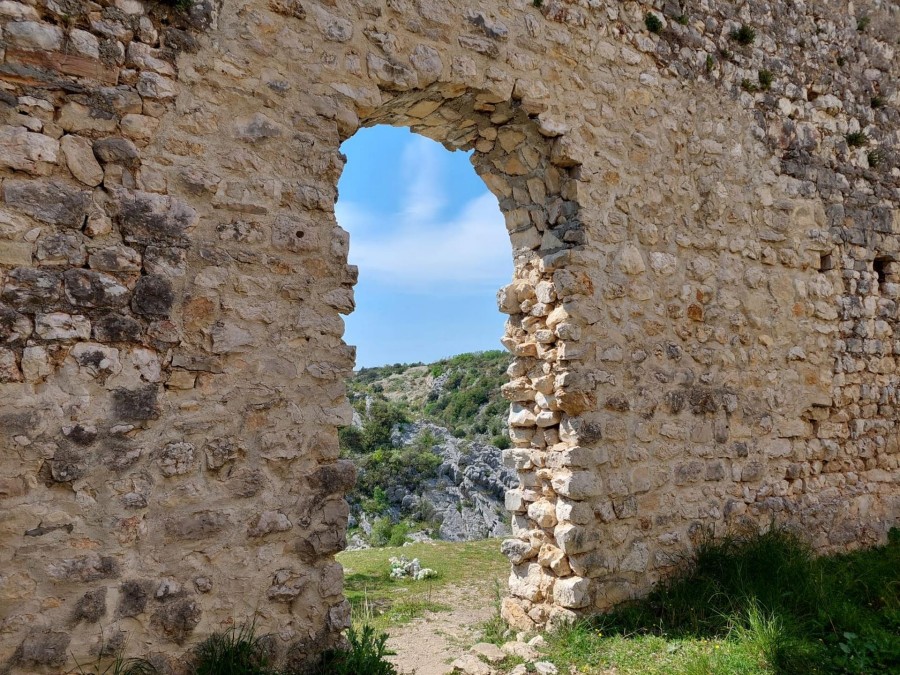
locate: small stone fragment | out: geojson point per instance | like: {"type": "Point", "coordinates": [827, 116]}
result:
{"type": "Point", "coordinates": [62, 326]}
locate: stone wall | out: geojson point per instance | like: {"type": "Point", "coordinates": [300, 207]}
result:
{"type": "Point", "coordinates": [707, 267]}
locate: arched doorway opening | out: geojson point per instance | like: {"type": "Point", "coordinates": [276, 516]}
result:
{"type": "Point", "coordinates": [427, 513]}
{"type": "Point", "coordinates": [531, 178]}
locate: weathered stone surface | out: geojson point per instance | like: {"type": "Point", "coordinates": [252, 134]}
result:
{"type": "Point", "coordinates": [80, 159]}
{"type": "Point", "coordinates": [44, 648]}
{"type": "Point", "coordinates": [62, 326]}
{"type": "Point", "coordinates": [702, 315]}
{"type": "Point", "coordinates": [53, 202]}
{"type": "Point", "coordinates": [14, 327]}
{"type": "Point", "coordinates": [25, 151]}
{"type": "Point", "coordinates": [116, 258]}
{"type": "Point", "coordinates": [87, 288]}
{"type": "Point", "coordinates": [149, 218]}
{"type": "Point", "coordinates": [91, 607]}
{"type": "Point", "coordinates": [31, 289]}
{"type": "Point", "coordinates": [34, 35]}
{"type": "Point", "coordinates": [137, 404]}
{"type": "Point", "coordinates": [153, 296]}
{"type": "Point", "coordinates": [62, 249]}
{"type": "Point", "coordinates": [116, 150]}
{"type": "Point", "coordinates": [9, 368]}
{"type": "Point", "coordinates": [85, 568]}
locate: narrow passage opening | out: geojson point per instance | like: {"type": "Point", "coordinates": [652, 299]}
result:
{"type": "Point", "coordinates": [428, 510]}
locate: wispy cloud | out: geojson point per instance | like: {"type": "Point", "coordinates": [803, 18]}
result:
{"type": "Point", "coordinates": [416, 248]}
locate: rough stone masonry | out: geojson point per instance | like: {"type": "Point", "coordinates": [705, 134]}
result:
{"type": "Point", "coordinates": [705, 223]}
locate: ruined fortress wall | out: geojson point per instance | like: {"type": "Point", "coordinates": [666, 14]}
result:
{"type": "Point", "coordinates": [703, 308]}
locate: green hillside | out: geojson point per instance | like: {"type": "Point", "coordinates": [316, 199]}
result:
{"type": "Point", "coordinates": [460, 394]}
{"type": "Point", "coordinates": [466, 401]}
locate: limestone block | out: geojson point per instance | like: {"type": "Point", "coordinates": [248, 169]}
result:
{"type": "Point", "coordinates": [530, 581]}
{"type": "Point", "coordinates": [548, 418]}
{"type": "Point", "coordinates": [155, 87]}
{"type": "Point", "coordinates": [17, 11]}
{"type": "Point", "coordinates": [390, 75]}
{"type": "Point", "coordinates": [269, 522]}
{"type": "Point", "coordinates": [514, 501]}
{"type": "Point", "coordinates": [49, 201]}
{"type": "Point", "coordinates": [78, 118]}
{"type": "Point", "coordinates": [62, 326]}
{"type": "Point", "coordinates": [117, 258]}
{"type": "Point", "coordinates": [33, 35]}
{"type": "Point", "coordinates": [84, 43]}
{"type": "Point", "coordinates": [552, 557]}
{"type": "Point", "coordinates": [62, 249]}
{"type": "Point", "coordinates": [116, 150]}
{"type": "Point", "coordinates": [28, 289]}
{"type": "Point", "coordinates": [518, 551]}
{"type": "Point", "coordinates": [80, 160]}
{"type": "Point", "coordinates": [664, 264]}
{"type": "Point", "coordinates": [153, 296]}
{"type": "Point", "coordinates": [87, 288]}
{"type": "Point", "coordinates": [543, 512]}
{"type": "Point", "coordinates": [139, 128]}
{"type": "Point", "coordinates": [43, 647]}
{"type": "Point", "coordinates": [427, 62]}
{"type": "Point", "coordinates": [9, 368]}
{"type": "Point", "coordinates": [520, 650]}
{"type": "Point", "coordinates": [577, 484]}
{"type": "Point", "coordinates": [630, 260]}
{"type": "Point", "coordinates": [35, 364]}
{"type": "Point", "coordinates": [25, 151]}
{"type": "Point", "coordinates": [94, 359]}
{"type": "Point", "coordinates": [469, 664]}
{"type": "Point", "coordinates": [521, 416]}
{"type": "Point", "coordinates": [15, 253]}
{"type": "Point", "coordinates": [177, 459]}
{"type": "Point", "coordinates": [489, 652]}
{"type": "Point", "coordinates": [574, 539]}
{"type": "Point", "coordinates": [115, 327]}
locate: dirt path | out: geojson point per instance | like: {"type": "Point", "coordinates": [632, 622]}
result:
{"type": "Point", "coordinates": [427, 646]}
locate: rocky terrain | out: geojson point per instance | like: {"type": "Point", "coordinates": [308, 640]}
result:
{"type": "Point", "coordinates": [447, 419]}
{"type": "Point", "coordinates": [467, 494]}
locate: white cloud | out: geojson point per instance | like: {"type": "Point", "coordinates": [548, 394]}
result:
{"type": "Point", "coordinates": [417, 250]}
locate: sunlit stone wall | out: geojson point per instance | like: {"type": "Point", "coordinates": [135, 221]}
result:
{"type": "Point", "coordinates": [702, 312]}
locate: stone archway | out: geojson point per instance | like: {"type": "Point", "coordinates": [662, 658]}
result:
{"type": "Point", "coordinates": [525, 164]}
{"type": "Point", "coordinates": [171, 280]}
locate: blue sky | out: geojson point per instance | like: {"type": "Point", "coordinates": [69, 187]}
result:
{"type": "Point", "coordinates": [431, 247]}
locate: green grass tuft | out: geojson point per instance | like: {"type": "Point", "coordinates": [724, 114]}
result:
{"type": "Point", "coordinates": [875, 158]}
{"type": "Point", "coordinates": [857, 139]}
{"type": "Point", "coordinates": [745, 35]}
{"type": "Point", "coordinates": [653, 22]}
{"type": "Point", "coordinates": [366, 656]}
{"type": "Point", "coordinates": [761, 605]}
{"type": "Point", "coordinates": [238, 651]}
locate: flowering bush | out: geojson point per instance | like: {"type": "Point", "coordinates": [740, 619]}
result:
{"type": "Point", "coordinates": [404, 568]}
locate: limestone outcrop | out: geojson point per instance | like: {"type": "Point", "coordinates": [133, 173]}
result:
{"type": "Point", "coordinates": [705, 223]}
